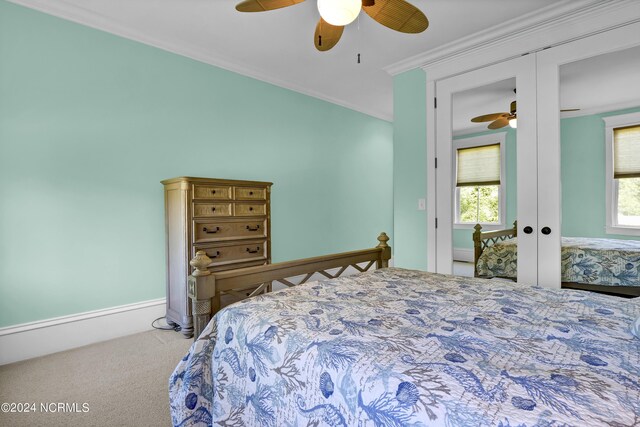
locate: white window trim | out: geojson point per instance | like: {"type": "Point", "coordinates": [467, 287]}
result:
{"type": "Point", "coordinates": [611, 123]}
{"type": "Point", "coordinates": [475, 141]}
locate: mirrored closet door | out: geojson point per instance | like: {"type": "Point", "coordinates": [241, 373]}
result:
{"type": "Point", "coordinates": [485, 139]}
{"type": "Point", "coordinates": [576, 174]}
{"type": "Point", "coordinates": [593, 90]}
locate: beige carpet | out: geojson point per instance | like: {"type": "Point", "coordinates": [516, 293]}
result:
{"type": "Point", "coordinates": [123, 381]}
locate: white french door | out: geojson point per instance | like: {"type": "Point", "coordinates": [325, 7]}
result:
{"type": "Point", "coordinates": [523, 70]}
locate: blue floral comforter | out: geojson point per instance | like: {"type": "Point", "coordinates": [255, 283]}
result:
{"type": "Point", "coordinates": [608, 262]}
{"type": "Point", "coordinates": [407, 348]}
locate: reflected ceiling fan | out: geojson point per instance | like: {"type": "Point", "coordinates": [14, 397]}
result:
{"type": "Point", "coordinates": [500, 120]}
{"type": "Point", "coordinates": [398, 15]}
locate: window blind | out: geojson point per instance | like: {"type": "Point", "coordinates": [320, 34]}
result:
{"type": "Point", "coordinates": [626, 152]}
{"type": "Point", "coordinates": [478, 166]}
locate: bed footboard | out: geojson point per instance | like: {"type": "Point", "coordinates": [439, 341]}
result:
{"type": "Point", "coordinates": [206, 287]}
{"type": "Point", "coordinates": [484, 239]}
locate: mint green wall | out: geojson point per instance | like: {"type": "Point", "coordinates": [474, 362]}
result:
{"type": "Point", "coordinates": [409, 169]}
{"type": "Point", "coordinates": [463, 238]}
{"type": "Point", "coordinates": [583, 176]}
{"type": "Point", "coordinates": [89, 125]}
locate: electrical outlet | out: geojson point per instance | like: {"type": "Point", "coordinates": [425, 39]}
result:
{"type": "Point", "coordinates": [422, 204]}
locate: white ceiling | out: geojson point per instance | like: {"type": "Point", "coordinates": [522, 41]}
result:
{"type": "Point", "coordinates": [594, 85]}
{"type": "Point", "coordinates": [277, 46]}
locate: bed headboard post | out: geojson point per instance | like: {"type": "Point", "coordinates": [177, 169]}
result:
{"type": "Point", "coordinates": [385, 254]}
{"type": "Point", "coordinates": [477, 247]}
{"type": "Point", "coordinates": [202, 291]}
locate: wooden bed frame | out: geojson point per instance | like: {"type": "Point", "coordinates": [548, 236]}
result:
{"type": "Point", "coordinates": [205, 288]}
{"type": "Point", "coordinates": [485, 239]}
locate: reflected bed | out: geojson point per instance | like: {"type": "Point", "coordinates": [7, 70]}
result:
{"type": "Point", "coordinates": [603, 265]}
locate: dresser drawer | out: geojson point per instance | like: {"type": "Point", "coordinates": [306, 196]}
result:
{"type": "Point", "coordinates": [221, 254]}
{"type": "Point", "coordinates": [240, 264]}
{"type": "Point", "coordinates": [212, 230]}
{"type": "Point", "coordinates": [250, 193]}
{"type": "Point", "coordinates": [250, 209]}
{"type": "Point", "coordinates": [236, 295]}
{"type": "Point", "coordinates": [212, 192]}
{"type": "Point", "coordinates": [211, 209]}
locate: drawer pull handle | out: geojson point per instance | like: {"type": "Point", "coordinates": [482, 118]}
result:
{"type": "Point", "coordinates": [253, 229]}
{"type": "Point", "coordinates": [250, 208]}
{"type": "Point", "coordinates": [213, 209]}
{"type": "Point", "coordinates": [251, 193]}
{"type": "Point", "coordinates": [211, 231]}
{"type": "Point", "coordinates": [214, 256]}
{"type": "Point", "coordinates": [213, 191]}
{"type": "Point", "coordinates": [253, 252]}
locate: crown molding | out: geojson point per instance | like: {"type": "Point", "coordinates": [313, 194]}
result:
{"type": "Point", "coordinates": [488, 36]}
{"type": "Point", "coordinates": [83, 16]}
{"type": "Point", "coordinates": [471, 132]}
{"type": "Point", "coordinates": [605, 109]}
{"type": "Point", "coordinates": [555, 24]}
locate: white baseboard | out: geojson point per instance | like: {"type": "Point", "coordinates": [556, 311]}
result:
{"type": "Point", "coordinates": [34, 339]}
{"type": "Point", "coordinates": [461, 254]}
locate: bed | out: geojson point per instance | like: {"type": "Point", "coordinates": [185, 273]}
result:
{"type": "Point", "coordinates": [593, 264]}
{"type": "Point", "coordinates": [398, 347]}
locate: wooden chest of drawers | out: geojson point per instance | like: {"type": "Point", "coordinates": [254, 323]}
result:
{"type": "Point", "coordinates": [228, 219]}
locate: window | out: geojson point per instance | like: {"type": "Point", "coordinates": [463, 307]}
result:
{"type": "Point", "coordinates": [623, 174]}
{"type": "Point", "coordinates": [479, 178]}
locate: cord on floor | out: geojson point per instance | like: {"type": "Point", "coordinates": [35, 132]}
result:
{"type": "Point", "coordinates": [176, 328]}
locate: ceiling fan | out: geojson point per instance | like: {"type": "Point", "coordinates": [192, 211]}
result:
{"type": "Point", "coordinates": [500, 120]}
{"type": "Point", "coordinates": [398, 15]}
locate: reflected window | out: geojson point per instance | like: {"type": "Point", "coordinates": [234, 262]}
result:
{"type": "Point", "coordinates": [479, 204]}
{"type": "Point", "coordinates": [623, 174]}
{"type": "Point", "coordinates": [628, 203]}
{"type": "Point", "coordinates": [479, 180]}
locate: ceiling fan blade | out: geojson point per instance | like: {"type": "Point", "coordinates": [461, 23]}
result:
{"type": "Point", "coordinates": [489, 117]}
{"type": "Point", "coordinates": [500, 123]}
{"type": "Point", "coordinates": [570, 109]}
{"type": "Point", "coordinates": [264, 5]}
{"type": "Point", "coordinates": [327, 35]}
{"type": "Point", "coordinates": [397, 15]}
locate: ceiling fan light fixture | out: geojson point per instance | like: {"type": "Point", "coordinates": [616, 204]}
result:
{"type": "Point", "coordinates": [513, 123]}
{"type": "Point", "coordinates": [339, 12]}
